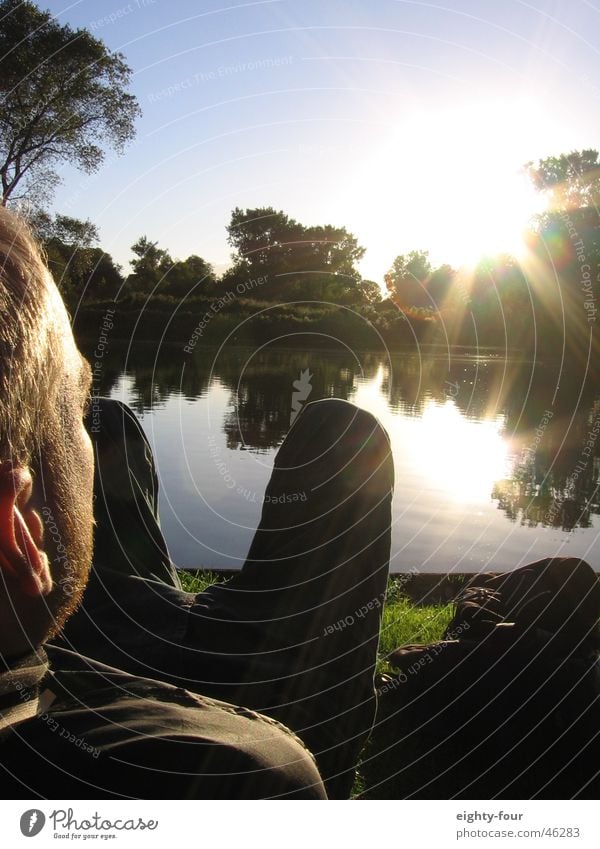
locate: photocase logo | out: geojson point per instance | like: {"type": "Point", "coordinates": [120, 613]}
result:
{"type": "Point", "coordinates": [303, 389]}
{"type": "Point", "coordinates": [32, 822]}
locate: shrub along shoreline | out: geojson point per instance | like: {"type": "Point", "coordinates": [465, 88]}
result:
{"type": "Point", "coordinates": [245, 321]}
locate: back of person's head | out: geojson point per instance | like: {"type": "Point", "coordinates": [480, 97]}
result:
{"type": "Point", "coordinates": [45, 489]}
{"type": "Point", "coordinates": [26, 353]}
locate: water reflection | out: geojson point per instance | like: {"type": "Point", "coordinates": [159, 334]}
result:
{"type": "Point", "coordinates": [554, 480]}
{"type": "Point", "coordinates": [463, 457]}
{"type": "Point", "coordinates": [486, 451]}
{"type": "Point", "coordinates": [457, 453]}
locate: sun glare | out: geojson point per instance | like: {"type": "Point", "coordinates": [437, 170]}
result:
{"type": "Point", "coordinates": [451, 183]}
{"type": "Point", "coordinates": [461, 457]}
{"type": "Point", "coordinates": [491, 216]}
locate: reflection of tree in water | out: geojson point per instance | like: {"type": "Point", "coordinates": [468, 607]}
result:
{"type": "Point", "coordinates": [156, 373]}
{"type": "Point", "coordinates": [555, 483]}
{"type": "Point", "coordinates": [260, 383]}
{"type": "Point", "coordinates": [546, 504]}
{"type": "Point", "coordinates": [262, 388]}
{"type": "Point", "coordinates": [555, 479]}
{"type": "Point", "coordinates": [471, 383]}
{"type": "Point", "coordinates": [480, 388]}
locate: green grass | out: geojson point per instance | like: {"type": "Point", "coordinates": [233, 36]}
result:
{"type": "Point", "coordinates": [197, 582]}
{"type": "Point", "coordinates": [403, 622]}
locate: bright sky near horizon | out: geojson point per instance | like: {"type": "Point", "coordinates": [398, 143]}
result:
{"type": "Point", "coordinates": [404, 121]}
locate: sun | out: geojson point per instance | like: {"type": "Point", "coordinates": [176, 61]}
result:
{"type": "Point", "coordinates": [491, 214]}
{"type": "Point", "coordinates": [478, 200]}
{"type": "Point", "coordinates": [449, 181]}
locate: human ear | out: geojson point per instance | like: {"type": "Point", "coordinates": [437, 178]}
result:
{"type": "Point", "coordinates": [23, 560]}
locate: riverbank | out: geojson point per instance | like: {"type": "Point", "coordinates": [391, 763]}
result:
{"type": "Point", "coordinates": [421, 589]}
{"type": "Point", "coordinates": [199, 321]}
{"type": "Point", "coordinates": [411, 613]}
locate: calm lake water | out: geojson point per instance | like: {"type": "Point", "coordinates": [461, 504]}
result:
{"type": "Point", "coordinates": [496, 462]}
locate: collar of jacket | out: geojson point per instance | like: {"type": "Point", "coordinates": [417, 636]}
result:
{"type": "Point", "coordinates": [19, 687]}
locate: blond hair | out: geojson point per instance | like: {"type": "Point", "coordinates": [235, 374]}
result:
{"type": "Point", "coordinates": [27, 360]}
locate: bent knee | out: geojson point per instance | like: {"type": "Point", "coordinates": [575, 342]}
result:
{"type": "Point", "coordinates": [265, 760]}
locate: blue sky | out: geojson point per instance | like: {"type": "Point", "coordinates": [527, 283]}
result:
{"type": "Point", "coordinates": [406, 122]}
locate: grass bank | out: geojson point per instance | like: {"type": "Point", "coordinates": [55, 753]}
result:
{"type": "Point", "coordinates": [403, 622]}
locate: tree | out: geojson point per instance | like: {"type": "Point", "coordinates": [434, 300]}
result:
{"type": "Point", "coordinates": [93, 276]}
{"type": "Point", "coordinates": [571, 180]}
{"type": "Point", "coordinates": [314, 262]}
{"type": "Point", "coordinates": [65, 229]}
{"type": "Point", "coordinates": [80, 268]}
{"type": "Point", "coordinates": [62, 98]}
{"type": "Point", "coordinates": [150, 267]}
{"type": "Point", "coordinates": [565, 242]}
{"type": "Point", "coordinates": [440, 284]}
{"type": "Point", "coordinates": [191, 276]}
{"type": "Point", "coordinates": [370, 291]}
{"type": "Point", "coordinates": [407, 279]}
{"type": "Point", "coordinates": [262, 237]}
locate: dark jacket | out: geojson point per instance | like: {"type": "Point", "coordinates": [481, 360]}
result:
{"type": "Point", "coordinates": [90, 731]}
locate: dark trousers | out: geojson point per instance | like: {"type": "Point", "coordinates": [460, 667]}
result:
{"type": "Point", "coordinates": [294, 634]}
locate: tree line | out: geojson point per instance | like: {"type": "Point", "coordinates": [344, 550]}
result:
{"type": "Point", "coordinates": [291, 261]}
{"type": "Point", "coordinates": [505, 303]}
{"type": "Point", "coordinates": [64, 99]}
